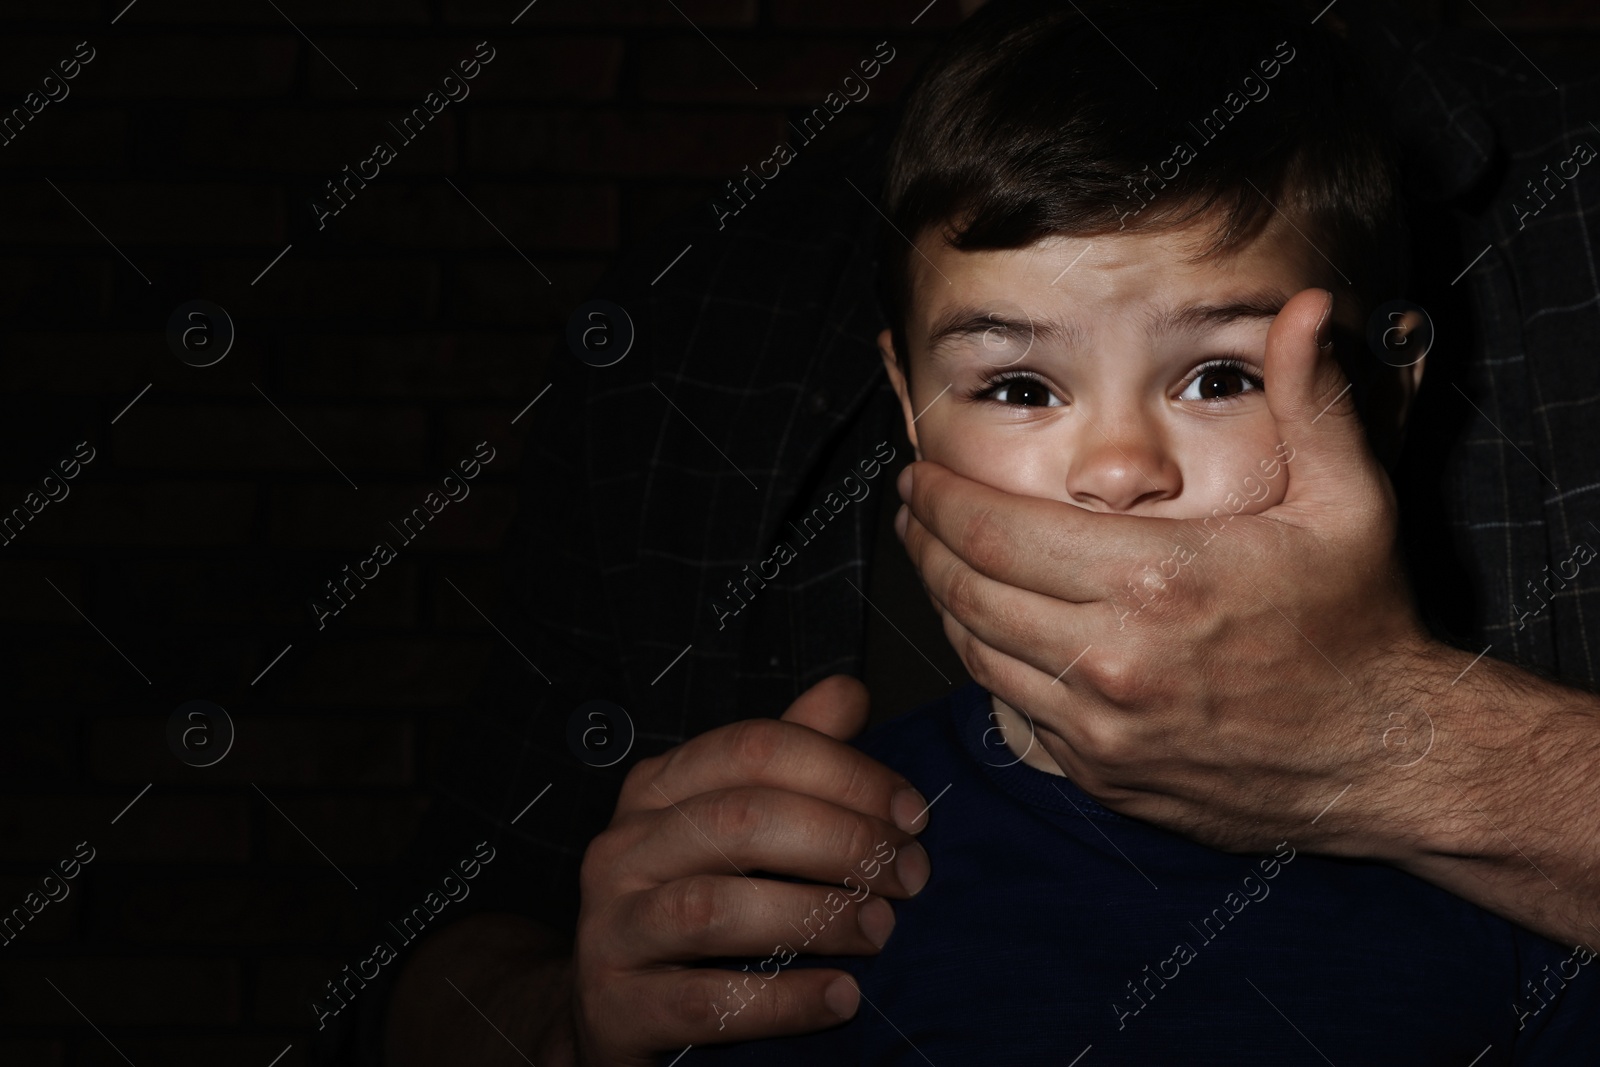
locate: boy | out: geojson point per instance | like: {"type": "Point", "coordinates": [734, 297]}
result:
{"type": "Point", "coordinates": [1080, 274]}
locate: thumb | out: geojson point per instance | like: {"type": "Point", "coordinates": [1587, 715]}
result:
{"type": "Point", "coordinates": [1312, 402]}
{"type": "Point", "coordinates": [836, 706]}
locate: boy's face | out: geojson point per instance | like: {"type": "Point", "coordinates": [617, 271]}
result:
{"type": "Point", "coordinates": [1130, 379]}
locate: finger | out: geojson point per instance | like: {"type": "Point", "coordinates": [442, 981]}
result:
{"type": "Point", "coordinates": [778, 755]}
{"type": "Point", "coordinates": [715, 915]}
{"type": "Point", "coordinates": [1018, 622]}
{"type": "Point", "coordinates": [1097, 723]}
{"type": "Point", "coordinates": [709, 1007]}
{"type": "Point", "coordinates": [836, 706]}
{"type": "Point", "coordinates": [747, 829]}
{"type": "Point", "coordinates": [1313, 403]}
{"type": "Point", "coordinates": [1053, 548]}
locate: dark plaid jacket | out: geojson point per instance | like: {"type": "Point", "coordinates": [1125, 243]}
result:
{"type": "Point", "coordinates": [753, 388]}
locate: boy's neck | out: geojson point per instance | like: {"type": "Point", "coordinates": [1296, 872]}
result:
{"type": "Point", "coordinates": [1021, 738]}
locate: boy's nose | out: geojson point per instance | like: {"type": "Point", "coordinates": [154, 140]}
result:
{"type": "Point", "coordinates": [1119, 471]}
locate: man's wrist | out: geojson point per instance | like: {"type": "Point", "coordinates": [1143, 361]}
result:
{"type": "Point", "coordinates": [1428, 727]}
{"type": "Point", "coordinates": [1498, 808]}
{"type": "Point", "coordinates": [1453, 710]}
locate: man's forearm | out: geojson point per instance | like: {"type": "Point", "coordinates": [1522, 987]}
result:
{"type": "Point", "coordinates": [1502, 809]}
{"type": "Point", "coordinates": [491, 989]}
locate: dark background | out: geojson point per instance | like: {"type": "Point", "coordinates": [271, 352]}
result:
{"type": "Point", "coordinates": [395, 339]}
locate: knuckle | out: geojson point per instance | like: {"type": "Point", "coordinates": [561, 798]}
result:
{"type": "Point", "coordinates": [643, 768]}
{"type": "Point", "coordinates": [692, 906]}
{"type": "Point", "coordinates": [978, 658]}
{"type": "Point", "coordinates": [691, 1003]}
{"type": "Point", "coordinates": [861, 785]}
{"type": "Point", "coordinates": [795, 1003]}
{"type": "Point", "coordinates": [731, 815]}
{"type": "Point", "coordinates": [754, 743]}
{"type": "Point", "coordinates": [1093, 742]}
{"type": "Point", "coordinates": [1116, 678]}
{"type": "Point", "coordinates": [1108, 744]}
{"type": "Point", "coordinates": [915, 541]}
{"type": "Point", "coordinates": [638, 779]}
{"type": "Point", "coordinates": [1110, 748]}
{"type": "Point", "coordinates": [851, 839]}
{"type": "Point", "coordinates": [598, 866]}
{"type": "Point", "coordinates": [954, 632]}
{"type": "Point", "coordinates": [591, 943]}
{"type": "Point", "coordinates": [817, 923]}
{"type": "Point", "coordinates": [985, 540]}
{"type": "Point", "coordinates": [961, 590]}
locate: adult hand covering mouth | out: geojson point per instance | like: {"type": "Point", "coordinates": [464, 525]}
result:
{"type": "Point", "coordinates": [1282, 687]}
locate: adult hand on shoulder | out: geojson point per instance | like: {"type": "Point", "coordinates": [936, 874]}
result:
{"type": "Point", "coordinates": [669, 882]}
{"type": "Point", "coordinates": [1227, 690]}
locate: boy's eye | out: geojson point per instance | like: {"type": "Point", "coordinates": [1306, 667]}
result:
{"type": "Point", "coordinates": [1220, 380]}
{"type": "Point", "coordinates": [1021, 392]}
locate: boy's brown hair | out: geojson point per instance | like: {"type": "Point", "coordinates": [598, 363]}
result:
{"type": "Point", "coordinates": [1040, 117]}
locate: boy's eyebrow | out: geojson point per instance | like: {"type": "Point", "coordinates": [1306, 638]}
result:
{"type": "Point", "coordinates": [965, 320]}
{"type": "Point", "coordinates": [1261, 304]}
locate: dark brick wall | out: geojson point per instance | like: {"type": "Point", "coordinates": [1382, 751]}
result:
{"type": "Point", "coordinates": [370, 358]}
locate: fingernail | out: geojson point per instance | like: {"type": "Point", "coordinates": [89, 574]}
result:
{"type": "Point", "coordinates": [842, 998]}
{"type": "Point", "coordinates": [913, 868]}
{"type": "Point", "coordinates": [901, 518]}
{"type": "Point", "coordinates": [903, 483]}
{"type": "Point", "coordinates": [877, 920]}
{"type": "Point", "coordinates": [1322, 324]}
{"type": "Point", "coordinates": [908, 807]}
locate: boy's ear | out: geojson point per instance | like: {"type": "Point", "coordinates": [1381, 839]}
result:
{"type": "Point", "coordinates": [1408, 381]}
{"type": "Point", "coordinates": [1393, 402]}
{"type": "Point", "coordinates": [891, 363]}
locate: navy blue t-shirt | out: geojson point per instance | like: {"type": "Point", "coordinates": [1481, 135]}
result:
{"type": "Point", "coordinates": [1053, 928]}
